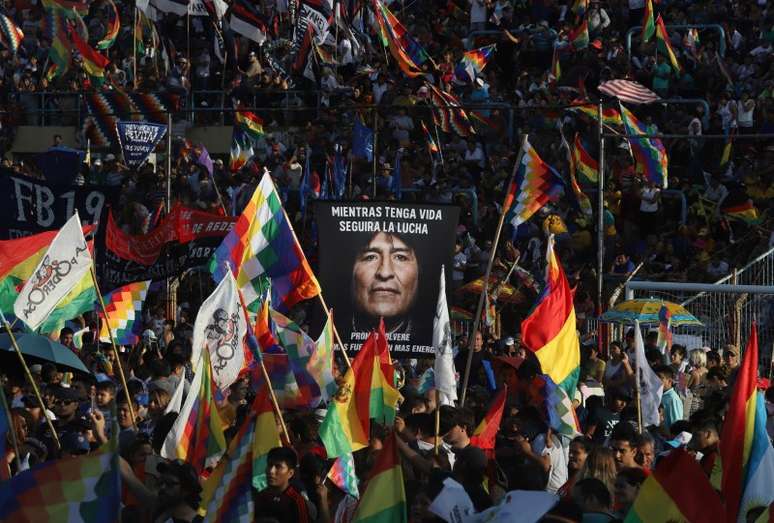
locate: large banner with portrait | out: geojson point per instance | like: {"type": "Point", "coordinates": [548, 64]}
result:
{"type": "Point", "coordinates": [383, 260]}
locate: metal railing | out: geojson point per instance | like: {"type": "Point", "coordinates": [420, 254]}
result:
{"type": "Point", "coordinates": [726, 316]}
{"type": "Point", "coordinates": [50, 108]}
{"type": "Point", "coordinates": [716, 27]}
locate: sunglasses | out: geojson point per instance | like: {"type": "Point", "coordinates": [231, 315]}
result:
{"type": "Point", "coordinates": [64, 402]}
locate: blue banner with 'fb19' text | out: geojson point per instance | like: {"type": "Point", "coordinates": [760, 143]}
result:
{"type": "Point", "coordinates": [138, 139]}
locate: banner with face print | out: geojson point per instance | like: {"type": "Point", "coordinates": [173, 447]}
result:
{"type": "Point", "coordinates": [383, 260]}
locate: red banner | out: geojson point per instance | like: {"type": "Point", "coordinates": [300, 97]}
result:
{"type": "Point", "coordinates": [180, 225]}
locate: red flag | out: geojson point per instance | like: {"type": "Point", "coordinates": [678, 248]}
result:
{"type": "Point", "coordinates": [484, 436]}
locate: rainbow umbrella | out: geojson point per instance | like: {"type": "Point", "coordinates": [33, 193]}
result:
{"type": "Point", "coordinates": [646, 311]}
{"type": "Point", "coordinates": [507, 293]}
{"type": "Point", "coordinates": [460, 314]}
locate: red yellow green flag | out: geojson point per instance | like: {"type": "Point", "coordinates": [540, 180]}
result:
{"type": "Point", "coordinates": [677, 490]}
{"type": "Point", "coordinates": [549, 330]}
{"type": "Point", "coordinates": [485, 433]}
{"type": "Point", "coordinates": [367, 391]}
{"type": "Point", "coordinates": [664, 44]}
{"type": "Point", "coordinates": [648, 25]}
{"type": "Point", "coordinates": [384, 499]}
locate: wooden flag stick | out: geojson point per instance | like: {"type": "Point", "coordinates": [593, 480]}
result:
{"type": "Point", "coordinates": [437, 443]}
{"type": "Point", "coordinates": [12, 430]}
{"type": "Point", "coordinates": [264, 372]}
{"type": "Point", "coordinates": [335, 331]}
{"type": "Point", "coordinates": [638, 390]}
{"type": "Point", "coordinates": [485, 285]}
{"type": "Point", "coordinates": [31, 380]}
{"type": "Point", "coordinates": [115, 349]}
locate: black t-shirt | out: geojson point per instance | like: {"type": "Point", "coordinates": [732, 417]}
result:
{"type": "Point", "coordinates": [605, 420]}
{"type": "Point", "coordinates": [288, 507]}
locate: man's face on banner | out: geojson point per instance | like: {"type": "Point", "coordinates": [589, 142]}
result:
{"type": "Point", "coordinates": [385, 277]}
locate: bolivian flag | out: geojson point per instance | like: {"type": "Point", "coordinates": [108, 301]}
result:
{"type": "Point", "coordinates": [648, 25]}
{"type": "Point", "coordinates": [550, 331]}
{"type": "Point", "coordinates": [368, 391]}
{"type": "Point", "coordinates": [486, 432]}
{"type": "Point", "coordinates": [93, 62]}
{"type": "Point", "coordinates": [677, 490]}
{"type": "Point", "coordinates": [664, 44]}
{"type": "Point", "coordinates": [384, 499]}
{"type": "Point", "coordinates": [19, 258]}
{"type": "Point", "coordinates": [745, 212]}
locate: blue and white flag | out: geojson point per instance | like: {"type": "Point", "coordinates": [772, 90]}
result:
{"type": "Point", "coordinates": [397, 182]}
{"type": "Point", "coordinates": [362, 141]}
{"type": "Point", "coordinates": [339, 173]}
{"type": "Point", "coordinates": [138, 139]}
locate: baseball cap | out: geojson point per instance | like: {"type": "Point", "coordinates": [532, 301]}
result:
{"type": "Point", "coordinates": [509, 340]}
{"type": "Point", "coordinates": [148, 335]}
{"type": "Point", "coordinates": [162, 384]}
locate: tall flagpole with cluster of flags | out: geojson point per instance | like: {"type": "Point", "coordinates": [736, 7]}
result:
{"type": "Point", "coordinates": [477, 317]}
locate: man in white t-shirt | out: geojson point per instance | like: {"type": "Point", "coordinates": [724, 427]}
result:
{"type": "Point", "coordinates": [557, 455]}
{"type": "Point", "coordinates": [460, 262]}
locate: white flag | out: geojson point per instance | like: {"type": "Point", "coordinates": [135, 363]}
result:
{"type": "Point", "coordinates": [445, 373]}
{"type": "Point", "coordinates": [63, 266]}
{"type": "Point", "coordinates": [650, 385]}
{"type": "Point", "coordinates": [176, 403]}
{"type": "Point", "coordinates": [453, 503]}
{"type": "Point", "coordinates": [221, 327]}
{"type": "Point", "coordinates": [518, 506]}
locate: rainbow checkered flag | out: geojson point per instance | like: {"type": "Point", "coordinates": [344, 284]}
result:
{"type": "Point", "coordinates": [342, 474]}
{"type": "Point", "coordinates": [261, 249]}
{"type": "Point", "coordinates": [534, 183]}
{"type": "Point", "coordinates": [123, 306]}
{"type": "Point", "coordinates": [83, 488]}
{"type": "Point", "coordinates": [228, 492]}
{"type": "Point", "coordinates": [10, 34]}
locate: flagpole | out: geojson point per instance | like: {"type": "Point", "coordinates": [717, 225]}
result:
{"type": "Point", "coordinates": [349, 177]}
{"type": "Point", "coordinates": [168, 201]}
{"type": "Point", "coordinates": [28, 374]}
{"type": "Point", "coordinates": [637, 386]}
{"type": "Point", "coordinates": [113, 344]}
{"type": "Point", "coordinates": [600, 211]}
{"type": "Point", "coordinates": [437, 442]}
{"type": "Point", "coordinates": [335, 330]}
{"type": "Point", "coordinates": [440, 148]}
{"type": "Point", "coordinates": [485, 284]}
{"type": "Point", "coordinates": [134, 49]}
{"type": "Point", "coordinates": [376, 140]}
{"type": "Point", "coordinates": [264, 372]}
{"type": "Point", "coordinates": [12, 430]}
{"type": "Point", "coordinates": [188, 38]}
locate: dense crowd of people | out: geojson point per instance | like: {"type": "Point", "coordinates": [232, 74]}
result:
{"type": "Point", "coordinates": [678, 234]}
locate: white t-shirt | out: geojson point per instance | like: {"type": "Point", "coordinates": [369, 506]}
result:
{"type": "Point", "coordinates": [557, 474]}
{"type": "Point", "coordinates": [744, 117]}
{"type": "Point", "coordinates": [649, 200]}
{"type": "Point", "coordinates": [458, 274]}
